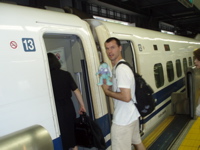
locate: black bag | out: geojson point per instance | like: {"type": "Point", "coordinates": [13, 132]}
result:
{"type": "Point", "coordinates": [88, 133]}
{"type": "Point", "coordinates": [143, 93]}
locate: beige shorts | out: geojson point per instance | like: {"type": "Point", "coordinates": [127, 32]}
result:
{"type": "Point", "coordinates": [123, 136]}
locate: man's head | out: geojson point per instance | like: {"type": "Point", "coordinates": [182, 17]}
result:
{"type": "Point", "coordinates": [113, 49]}
{"type": "Point", "coordinates": [113, 39]}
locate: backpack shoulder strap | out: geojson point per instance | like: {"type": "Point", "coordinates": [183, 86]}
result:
{"type": "Point", "coordinates": [124, 62]}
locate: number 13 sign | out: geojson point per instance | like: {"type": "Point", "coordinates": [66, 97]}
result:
{"type": "Point", "coordinates": [28, 44]}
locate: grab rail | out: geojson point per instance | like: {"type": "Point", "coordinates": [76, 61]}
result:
{"type": "Point", "coordinates": [32, 138]}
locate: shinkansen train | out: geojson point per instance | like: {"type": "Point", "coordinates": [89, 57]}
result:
{"type": "Point", "coordinates": [26, 94]}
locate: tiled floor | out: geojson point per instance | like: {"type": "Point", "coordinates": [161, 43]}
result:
{"type": "Point", "coordinates": [192, 139]}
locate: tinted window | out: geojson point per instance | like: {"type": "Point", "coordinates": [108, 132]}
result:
{"type": "Point", "coordinates": [158, 74]}
{"type": "Point", "coordinates": [155, 47]}
{"type": "Point", "coordinates": [184, 65]}
{"type": "Point", "coordinates": [167, 48]}
{"type": "Point", "coordinates": [190, 61]}
{"type": "Point", "coordinates": [178, 68]}
{"type": "Point", "coordinates": [170, 71]}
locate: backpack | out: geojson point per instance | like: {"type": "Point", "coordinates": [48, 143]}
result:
{"type": "Point", "coordinates": [143, 93]}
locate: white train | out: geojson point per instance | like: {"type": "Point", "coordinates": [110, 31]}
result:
{"type": "Point", "coordinates": [26, 94]}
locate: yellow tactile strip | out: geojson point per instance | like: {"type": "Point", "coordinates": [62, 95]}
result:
{"type": "Point", "coordinates": [155, 134]}
{"type": "Point", "coordinates": [192, 139]}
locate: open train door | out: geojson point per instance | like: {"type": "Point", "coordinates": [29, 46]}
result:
{"type": "Point", "coordinates": [193, 90]}
{"type": "Point", "coordinates": [69, 50]}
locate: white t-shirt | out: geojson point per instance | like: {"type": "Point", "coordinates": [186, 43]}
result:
{"type": "Point", "coordinates": [124, 112]}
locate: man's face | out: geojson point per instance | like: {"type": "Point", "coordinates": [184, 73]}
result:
{"type": "Point", "coordinates": [113, 51]}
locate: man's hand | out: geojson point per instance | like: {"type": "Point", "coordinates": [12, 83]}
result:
{"type": "Point", "coordinates": [105, 88]}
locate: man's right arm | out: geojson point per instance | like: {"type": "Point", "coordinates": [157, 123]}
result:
{"type": "Point", "coordinates": [123, 95]}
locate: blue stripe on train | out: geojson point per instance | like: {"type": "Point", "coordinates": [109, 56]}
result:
{"type": "Point", "coordinates": [154, 113]}
{"type": "Point", "coordinates": [104, 124]}
{"type": "Point", "coordinates": [167, 91]}
{"type": "Point", "coordinates": [108, 143]}
{"type": "Point", "coordinates": [57, 143]}
{"type": "Point", "coordinates": [163, 95]}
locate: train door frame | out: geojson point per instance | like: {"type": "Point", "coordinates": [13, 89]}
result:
{"type": "Point", "coordinates": [133, 63]}
{"type": "Point", "coordinates": [73, 68]}
{"type": "Point", "coordinates": [79, 71]}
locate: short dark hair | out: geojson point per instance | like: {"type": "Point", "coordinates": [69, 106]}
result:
{"type": "Point", "coordinates": [53, 62]}
{"type": "Point", "coordinates": [113, 39]}
{"type": "Point", "coordinates": [197, 54]}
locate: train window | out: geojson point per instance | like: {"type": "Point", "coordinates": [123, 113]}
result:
{"type": "Point", "coordinates": [190, 61]}
{"type": "Point", "coordinates": [184, 65]}
{"type": "Point", "coordinates": [158, 74]}
{"type": "Point", "coordinates": [178, 68]}
{"type": "Point", "coordinates": [170, 71]}
{"type": "Point", "coordinates": [167, 48]}
{"type": "Point", "coordinates": [155, 47]}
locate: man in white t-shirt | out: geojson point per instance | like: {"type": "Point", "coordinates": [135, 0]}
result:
{"type": "Point", "coordinates": [125, 123]}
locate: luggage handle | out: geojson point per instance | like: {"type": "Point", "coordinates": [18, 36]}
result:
{"type": "Point", "coordinates": [83, 117]}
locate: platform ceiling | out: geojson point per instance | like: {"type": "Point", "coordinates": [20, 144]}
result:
{"type": "Point", "coordinates": [173, 12]}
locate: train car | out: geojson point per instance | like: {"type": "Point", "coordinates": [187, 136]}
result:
{"type": "Point", "coordinates": [162, 59]}
{"type": "Point", "coordinates": [26, 94]}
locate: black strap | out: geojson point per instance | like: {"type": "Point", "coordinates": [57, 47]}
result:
{"type": "Point", "coordinates": [126, 63]}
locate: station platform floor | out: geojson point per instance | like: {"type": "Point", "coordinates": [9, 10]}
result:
{"type": "Point", "coordinates": [192, 139]}
{"type": "Point", "coordinates": [175, 133]}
